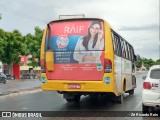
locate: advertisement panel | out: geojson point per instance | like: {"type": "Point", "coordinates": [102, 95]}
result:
{"type": "Point", "coordinates": [78, 47]}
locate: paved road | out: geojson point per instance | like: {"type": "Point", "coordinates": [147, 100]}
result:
{"type": "Point", "coordinates": [15, 86]}
{"type": "Point", "coordinates": [52, 101]}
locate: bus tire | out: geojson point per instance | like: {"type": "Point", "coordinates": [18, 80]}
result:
{"type": "Point", "coordinates": [119, 99]}
{"type": "Point", "coordinates": [69, 100]}
{"type": "Point", "coordinates": [131, 92]}
{"type": "Point", "coordinates": [134, 81]}
{"type": "Point", "coordinates": [93, 96]}
{"type": "Point", "coordinates": [75, 99]}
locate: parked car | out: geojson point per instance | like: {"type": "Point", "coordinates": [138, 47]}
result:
{"type": "Point", "coordinates": [10, 77]}
{"type": "Point", "coordinates": [29, 76]}
{"type": "Point", "coordinates": [25, 76]}
{"type": "Point", "coordinates": [151, 90]}
{"type": "Point", "coordinates": [3, 78]}
{"type": "Point", "coordinates": [34, 76]}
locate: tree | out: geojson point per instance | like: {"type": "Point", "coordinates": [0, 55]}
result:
{"type": "Point", "coordinates": [148, 62]}
{"type": "Point", "coordinates": [12, 46]}
{"type": "Point", "coordinates": [158, 62]}
{"type": "Point", "coordinates": [139, 64]}
{"type": "Point", "coordinates": [3, 42]}
{"type": "Point", "coordinates": [33, 44]}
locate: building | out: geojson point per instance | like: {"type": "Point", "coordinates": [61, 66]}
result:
{"type": "Point", "coordinates": [17, 70]}
{"type": "Point", "coordinates": [25, 68]}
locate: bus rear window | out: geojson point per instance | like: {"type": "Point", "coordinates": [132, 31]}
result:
{"type": "Point", "coordinates": [76, 35]}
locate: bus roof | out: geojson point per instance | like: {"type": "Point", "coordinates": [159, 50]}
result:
{"type": "Point", "coordinates": [77, 19]}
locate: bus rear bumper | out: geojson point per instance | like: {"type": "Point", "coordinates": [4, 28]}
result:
{"type": "Point", "coordinates": [77, 86]}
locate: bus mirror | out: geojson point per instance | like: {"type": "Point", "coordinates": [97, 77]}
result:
{"type": "Point", "coordinates": [49, 60]}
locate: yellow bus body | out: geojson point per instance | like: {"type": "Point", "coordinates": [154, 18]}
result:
{"type": "Point", "coordinates": [86, 86]}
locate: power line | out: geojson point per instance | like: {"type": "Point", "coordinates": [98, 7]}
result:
{"type": "Point", "coordinates": [19, 13]}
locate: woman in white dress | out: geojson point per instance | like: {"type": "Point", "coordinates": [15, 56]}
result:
{"type": "Point", "coordinates": [89, 48]}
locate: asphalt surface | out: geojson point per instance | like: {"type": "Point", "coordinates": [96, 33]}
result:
{"type": "Point", "coordinates": [38, 100]}
{"type": "Point", "coordinates": [15, 86]}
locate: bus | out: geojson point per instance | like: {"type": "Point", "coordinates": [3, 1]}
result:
{"type": "Point", "coordinates": [85, 56]}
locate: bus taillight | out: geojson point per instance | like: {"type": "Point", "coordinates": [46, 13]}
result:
{"type": "Point", "coordinates": [42, 62]}
{"type": "Point", "coordinates": [107, 65]}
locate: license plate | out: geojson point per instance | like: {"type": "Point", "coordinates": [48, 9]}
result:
{"type": "Point", "coordinates": [74, 86]}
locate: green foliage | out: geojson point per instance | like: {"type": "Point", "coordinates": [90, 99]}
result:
{"type": "Point", "coordinates": [11, 46]}
{"type": "Point", "coordinates": [147, 62]}
{"type": "Point", "coordinates": [139, 64]}
{"type": "Point", "coordinates": [33, 45]}
{"type": "Point", "coordinates": [2, 42]}
{"type": "Point", "coordinates": [158, 62]}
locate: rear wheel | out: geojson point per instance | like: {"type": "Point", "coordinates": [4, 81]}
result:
{"type": "Point", "coordinates": [75, 99]}
{"type": "Point", "coordinates": [119, 99]}
{"type": "Point", "coordinates": [69, 100]}
{"type": "Point", "coordinates": [131, 92]}
{"type": "Point", "coordinates": [145, 109]}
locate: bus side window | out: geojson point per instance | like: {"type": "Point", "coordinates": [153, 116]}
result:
{"type": "Point", "coordinates": [123, 48]}
{"type": "Point", "coordinates": [132, 59]}
{"type": "Point", "coordinates": [126, 51]}
{"type": "Point", "coordinates": [129, 52]}
{"type": "Point", "coordinates": [117, 46]}
{"type": "Point", "coordinates": [114, 46]}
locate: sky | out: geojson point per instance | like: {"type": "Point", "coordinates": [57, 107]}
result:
{"type": "Point", "coordinates": [135, 20]}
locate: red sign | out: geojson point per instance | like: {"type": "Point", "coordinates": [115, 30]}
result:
{"type": "Point", "coordinates": [23, 59]}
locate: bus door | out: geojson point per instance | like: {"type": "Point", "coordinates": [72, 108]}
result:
{"type": "Point", "coordinates": [117, 62]}
{"type": "Point", "coordinates": [78, 47]}
{"type": "Point", "coordinates": [118, 72]}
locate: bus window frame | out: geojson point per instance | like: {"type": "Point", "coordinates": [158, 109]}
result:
{"type": "Point", "coordinates": [132, 53]}
{"type": "Point", "coordinates": [117, 44]}
{"type": "Point", "coordinates": [123, 49]}
{"type": "Point", "coordinates": [126, 51]}
{"type": "Point", "coordinates": [129, 53]}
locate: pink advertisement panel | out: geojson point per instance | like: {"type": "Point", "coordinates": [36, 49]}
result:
{"type": "Point", "coordinates": [78, 48]}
